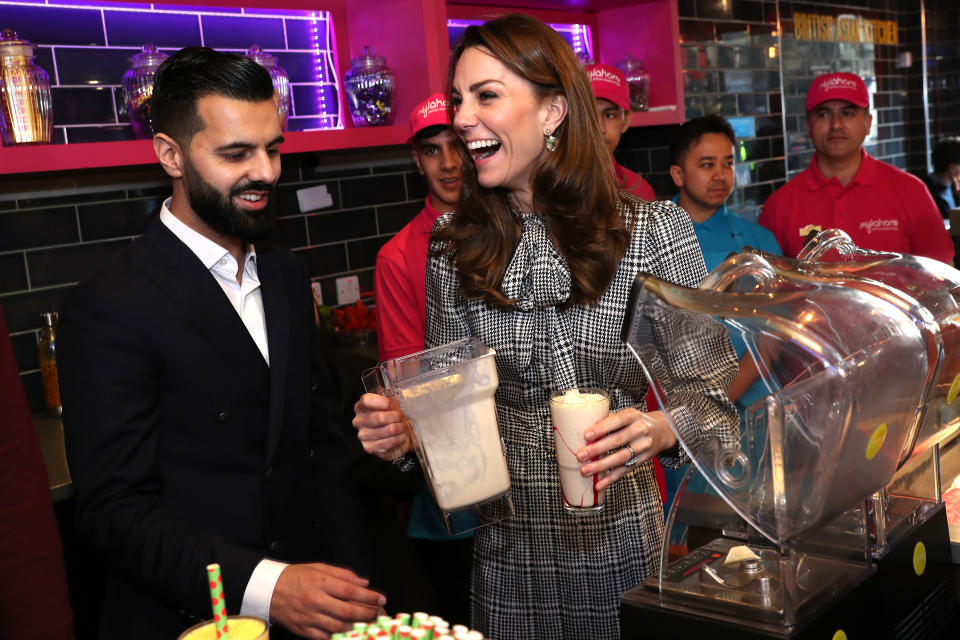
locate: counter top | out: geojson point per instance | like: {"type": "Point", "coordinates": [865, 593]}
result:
{"type": "Point", "coordinates": [50, 430]}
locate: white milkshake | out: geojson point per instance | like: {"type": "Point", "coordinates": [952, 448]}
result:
{"type": "Point", "coordinates": [573, 412]}
{"type": "Point", "coordinates": [455, 421]}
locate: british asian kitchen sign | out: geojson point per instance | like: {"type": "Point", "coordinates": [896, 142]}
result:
{"type": "Point", "coordinates": [844, 27]}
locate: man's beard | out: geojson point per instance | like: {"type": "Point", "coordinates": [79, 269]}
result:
{"type": "Point", "coordinates": [221, 215]}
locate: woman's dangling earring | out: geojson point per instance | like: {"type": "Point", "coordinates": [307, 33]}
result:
{"type": "Point", "coordinates": [552, 140]}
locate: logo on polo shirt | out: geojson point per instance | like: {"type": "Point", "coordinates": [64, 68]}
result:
{"type": "Point", "coordinates": [880, 225]}
{"type": "Point", "coordinates": [838, 83]}
{"type": "Point", "coordinates": [602, 75]}
{"type": "Point", "coordinates": [430, 106]}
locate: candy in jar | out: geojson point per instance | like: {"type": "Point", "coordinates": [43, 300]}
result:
{"type": "Point", "coordinates": [371, 90]}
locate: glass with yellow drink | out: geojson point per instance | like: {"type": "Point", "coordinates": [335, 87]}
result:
{"type": "Point", "coordinates": [238, 628]}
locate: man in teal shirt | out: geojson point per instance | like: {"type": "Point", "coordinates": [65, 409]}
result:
{"type": "Point", "coordinates": [702, 169]}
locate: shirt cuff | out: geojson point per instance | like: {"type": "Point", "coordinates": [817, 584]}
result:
{"type": "Point", "coordinates": [259, 591]}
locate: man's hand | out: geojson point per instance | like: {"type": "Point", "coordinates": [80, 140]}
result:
{"type": "Point", "coordinates": [316, 600]}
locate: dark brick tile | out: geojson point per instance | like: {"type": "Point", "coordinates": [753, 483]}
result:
{"type": "Point", "coordinates": [55, 25]}
{"type": "Point", "coordinates": [91, 66]}
{"type": "Point", "coordinates": [33, 388]}
{"type": "Point", "coordinates": [83, 106]}
{"type": "Point", "coordinates": [733, 32]}
{"type": "Point", "coordinates": [162, 192]}
{"type": "Point", "coordinates": [757, 194]}
{"type": "Point", "coordinates": [175, 30]}
{"type": "Point", "coordinates": [113, 133]}
{"type": "Point", "coordinates": [8, 205]}
{"type": "Point", "coordinates": [416, 186]}
{"type": "Point", "coordinates": [289, 168]}
{"type": "Point", "coordinates": [770, 170]}
{"type": "Point", "coordinates": [748, 11]}
{"type": "Point", "coordinates": [73, 198]}
{"type": "Point", "coordinates": [324, 165]}
{"type": "Point", "coordinates": [22, 310]}
{"type": "Point", "coordinates": [775, 103]}
{"type": "Point", "coordinates": [363, 253]}
{"type": "Point", "coordinates": [66, 265]}
{"type": "Point", "coordinates": [116, 219]}
{"type": "Point", "coordinates": [290, 233]}
{"type": "Point", "coordinates": [407, 164]}
{"type": "Point", "coordinates": [343, 225]}
{"type": "Point", "coordinates": [13, 272]}
{"type": "Point", "coordinates": [687, 8]}
{"type": "Point", "coordinates": [394, 217]}
{"type": "Point", "coordinates": [24, 229]}
{"type": "Point", "coordinates": [25, 351]}
{"type": "Point", "coordinates": [768, 126]}
{"type": "Point", "coordinates": [229, 32]}
{"type": "Point", "coordinates": [361, 192]}
{"type": "Point", "coordinates": [637, 160]}
{"type": "Point", "coordinates": [324, 260]}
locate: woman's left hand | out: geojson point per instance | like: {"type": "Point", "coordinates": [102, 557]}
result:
{"type": "Point", "coordinates": [620, 438]}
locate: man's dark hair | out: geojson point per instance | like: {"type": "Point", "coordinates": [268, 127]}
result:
{"type": "Point", "coordinates": [690, 132]}
{"type": "Point", "coordinates": [428, 132]}
{"type": "Point", "coordinates": [195, 72]}
{"type": "Point", "coordinates": [945, 153]}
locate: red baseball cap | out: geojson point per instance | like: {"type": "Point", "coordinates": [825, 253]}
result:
{"type": "Point", "coordinates": [848, 87]}
{"type": "Point", "coordinates": [430, 112]}
{"type": "Point", "coordinates": [609, 83]}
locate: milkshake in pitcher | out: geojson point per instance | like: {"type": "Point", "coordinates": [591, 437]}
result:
{"type": "Point", "coordinates": [451, 407]}
{"type": "Point", "coordinates": [573, 412]}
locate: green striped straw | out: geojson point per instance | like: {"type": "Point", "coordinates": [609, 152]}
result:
{"type": "Point", "coordinates": [216, 599]}
{"type": "Point", "coordinates": [404, 618]}
{"type": "Point", "coordinates": [428, 625]}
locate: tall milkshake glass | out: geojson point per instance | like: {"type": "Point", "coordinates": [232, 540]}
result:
{"type": "Point", "coordinates": [573, 411]}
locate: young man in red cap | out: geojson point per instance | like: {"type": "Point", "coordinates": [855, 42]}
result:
{"type": "Point", "coordinates": [613, 111]}
{"type": "Point", "coordinates": [399, 282]}
{"type": "Point", "coordinates": [879, 206]}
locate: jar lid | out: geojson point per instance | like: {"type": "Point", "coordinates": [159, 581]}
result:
{"type": "Point", "coordinates": [149, 57]}
{"type": "Point", "coordinates": [13, 45]}
{"type": "Point", "coordinates": [629, 63]}
{"type": "Point", "coordinates": [368, 59]}
{"type": "Point", "coordinates": [49, 318]}
{"type": "Point", "coordinates": [263, 58]}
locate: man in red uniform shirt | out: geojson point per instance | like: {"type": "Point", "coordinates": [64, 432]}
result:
{"type": "Point", "coordinates": [613, 111]}
{"type": "Point", "coordinates": [879, 206]}
{"type": "Point", "coordinates": [399, 279]}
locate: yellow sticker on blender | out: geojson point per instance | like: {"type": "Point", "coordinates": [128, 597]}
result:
{"type": "Point", "coordinates": [919, 558]}
{"type": "Point", "coordinates": [954, 389]}
{"type": "Point", "coordinates": [876, 440]}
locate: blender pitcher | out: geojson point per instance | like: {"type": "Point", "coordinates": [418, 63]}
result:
{"type": "Point", "coordinates": [447, 394]}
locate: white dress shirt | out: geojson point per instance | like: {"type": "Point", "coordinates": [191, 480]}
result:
{"type": "Point", "coordinates": [246, 299]}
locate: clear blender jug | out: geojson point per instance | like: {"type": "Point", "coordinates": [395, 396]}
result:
{"type": "Point", "coordinates": [448, 395]}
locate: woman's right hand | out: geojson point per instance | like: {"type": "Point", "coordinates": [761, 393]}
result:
{"type": "Point", "coordinates": [383, 429]}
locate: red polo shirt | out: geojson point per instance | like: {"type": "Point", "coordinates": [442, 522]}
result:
{"type": "Point", "coordinates": [630, 181]}
{"type": "Point", "coordinates": [882, 208]}
{"type": "Point", "coordinates": [400, 284]}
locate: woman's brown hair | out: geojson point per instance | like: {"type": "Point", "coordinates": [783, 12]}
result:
{"type": "Point", "coordinates": [573, 187]}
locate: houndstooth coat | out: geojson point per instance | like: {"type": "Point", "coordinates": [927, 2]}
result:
{"type": "Point", "coordinates": [543, 573]}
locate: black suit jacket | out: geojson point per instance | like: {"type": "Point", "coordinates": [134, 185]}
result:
{"type": "Point", "coordinates": [185, 448]}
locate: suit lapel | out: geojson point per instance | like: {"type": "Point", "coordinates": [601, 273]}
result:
{"type": "Point", "coordinates": [276, 309]}
{"type": "Point", "coordinates": [180, 274]}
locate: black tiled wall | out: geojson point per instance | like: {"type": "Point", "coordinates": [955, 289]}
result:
{"type": "Point", "coordinates": [56, 229]}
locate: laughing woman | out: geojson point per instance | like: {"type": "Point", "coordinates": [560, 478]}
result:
{"type": "Point", "coordinates": [537, 263]}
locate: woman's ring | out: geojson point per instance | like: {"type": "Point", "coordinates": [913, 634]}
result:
{"type": "Point", "coordinates": [633, 456]}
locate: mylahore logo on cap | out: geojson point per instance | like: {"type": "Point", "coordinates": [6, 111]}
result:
{"type": "Point", "coordinates": [430, 106]}
{"type": "Point", "coordinates": [602, 75]}
{"type": "Point", "coordinates": [838, 82]}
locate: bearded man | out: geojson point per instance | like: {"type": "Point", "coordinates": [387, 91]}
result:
{"type": "Point", "coordinates": [189, 386]}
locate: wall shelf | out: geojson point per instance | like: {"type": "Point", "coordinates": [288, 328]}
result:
{"type": "Point", "coordinates": [412, 35]}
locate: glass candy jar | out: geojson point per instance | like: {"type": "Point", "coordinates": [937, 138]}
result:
{"type": "Point", "coordinates": [138, 88]}
{"type": "Point", "coordinates": [638, 79]}
{"type": "Point", "coordinates": [281, 83]}
{"type": "Point", "coordinates": [371, 90]}
{"type": "Point", "coordinates": [26, 106]}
